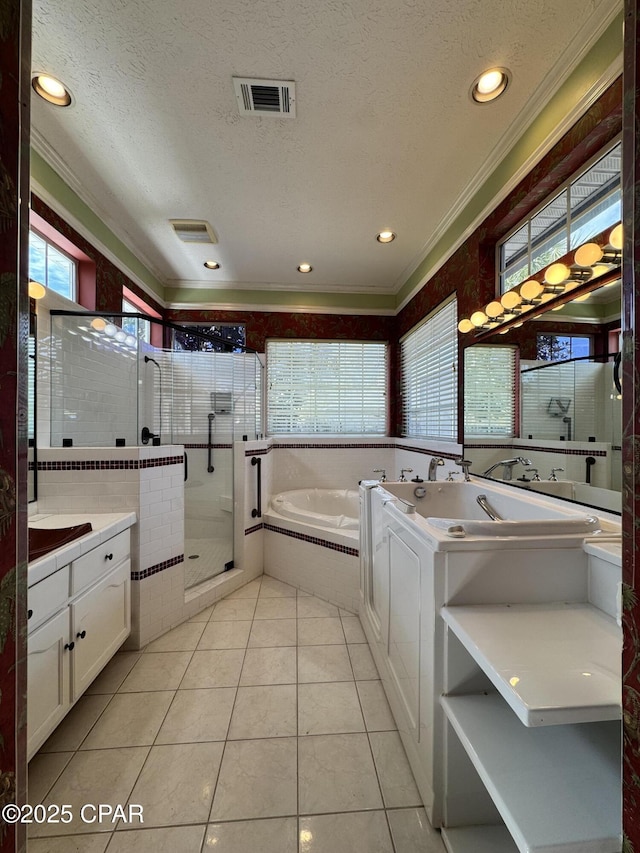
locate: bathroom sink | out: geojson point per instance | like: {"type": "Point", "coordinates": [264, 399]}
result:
{"type": "Point", "coordinates": [42, 540]}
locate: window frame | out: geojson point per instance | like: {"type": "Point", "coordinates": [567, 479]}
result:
{"type": "Point", "coordinates": [323, 341]}
{"type": "Point", "coordinates": [500, 285]}
{"type": "Point", "coordinates": [75, 265]}
{"type": "Point", "coordinates": [510, 393]}
{"type": "Point", "coordinates": [450, 304]}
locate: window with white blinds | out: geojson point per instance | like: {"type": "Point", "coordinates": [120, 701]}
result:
{"type": "Point", "coordinates": [334, 387]}
{"type": "Point", "coordinates": [489, 390]}
{"type": "Point", "coordinates": [429, 364]}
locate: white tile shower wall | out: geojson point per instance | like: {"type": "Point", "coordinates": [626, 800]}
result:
{"type": "Point", "coordinates": [569, 390]}
{"type": "Point", "coordinates": [329, 574]}
{"type": "Point", "coordinates": [197, 384]}
{"type": "Point", "coordinates": [94, 385]}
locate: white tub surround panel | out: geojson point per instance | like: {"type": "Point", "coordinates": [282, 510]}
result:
{"type": "Point", "coordinates": [313, 563]}
{"type": "Point", "coordinates": [417, 454]}
{"type": "Point", "coordinates": [328, 462]}
{"type": "Point", "coordinates": [523, 615]}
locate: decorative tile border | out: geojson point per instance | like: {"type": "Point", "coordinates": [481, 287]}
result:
{"type": "Point", "coordinates": [161, 461]}
{"type": "Point", "coordinates": [388, 445]}
{"type": "Point", "coordinates": [560, 450]}
{"type": "Point", "coordinates": [345, 446]}
{"type": "Point", "coordinates": [207, 446]}
{"type": "Point", "coordinates": [253, 529]}
{"type": "Point", "coordinates": [159, 567]}
{"type": "Point", "coordinates": [343, 549]}
{"type": "Point", "coordinates": [110, 464]}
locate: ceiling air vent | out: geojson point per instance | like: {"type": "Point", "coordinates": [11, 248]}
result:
{"type": "Point", "coordinates": [265, 97]}
{"type": "Point", "coordinates": [194, 230]}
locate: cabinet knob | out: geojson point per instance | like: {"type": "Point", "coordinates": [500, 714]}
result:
{"type": "Point", "coordinates": [70, 646]}
{"type": "Point", "coordinates": [109, 557]}
{"type": "Point", "coordinates": [29, 613]}
{"type": "Point", "coordinates": [81, 635]}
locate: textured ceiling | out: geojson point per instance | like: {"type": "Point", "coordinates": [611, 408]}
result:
{"type": "Point", "coordinates": [385, 134]}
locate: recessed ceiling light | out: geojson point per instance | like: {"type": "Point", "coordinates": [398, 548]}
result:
{"type": "Point", "coordinates": [490, 85]}
{"type": "Point", "coordinates": [385, 237]}
{"type": "Point", "coordinates": [51, 89]}
{"type": "Point", "coordinates": [304, 267]}
{"type": "Point", "coordinates": [212, 265]}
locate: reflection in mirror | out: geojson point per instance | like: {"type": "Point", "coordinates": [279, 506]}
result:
{"type": "Point", "coordinates": [548, 396]}
{"type": "Point", "coordinates": [32, 474]}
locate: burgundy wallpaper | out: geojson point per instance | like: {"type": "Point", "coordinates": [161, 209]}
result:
{"type": "Point", "coordinates": [631, 432]}
{"type": "Point", "coordinates": [14, 329]}
{"type": "Point", "coordinates": [109, 279]}
{"type": "Point", "coordinates": [283, 324]}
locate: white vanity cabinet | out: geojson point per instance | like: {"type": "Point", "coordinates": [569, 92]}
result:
{"type": "Point", "coordinates": [78, 618]}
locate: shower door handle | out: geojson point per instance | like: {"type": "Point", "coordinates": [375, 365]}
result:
{"type": "Point", "coordinates": [210, 468]}
{"type": "Point", "coordinates": [186, 467]}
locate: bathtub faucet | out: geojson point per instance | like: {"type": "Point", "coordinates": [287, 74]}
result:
{"type": "Point", "coordinates": [383, 479]}
{"type": "Point", "coordinates": [507, 467]}
{"type": "Point", "coordinates": [433, 466]}
{"type": "Point", "coordinates": [402, 478]}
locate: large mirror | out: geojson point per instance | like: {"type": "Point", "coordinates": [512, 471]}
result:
{"type": "Point", "coordinates": [32, 474]}
{"type": "Point", "coordinates": [545, 398]}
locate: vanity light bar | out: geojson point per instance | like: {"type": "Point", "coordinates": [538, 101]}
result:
{"type": "Point", "coordinates": [589, 261]}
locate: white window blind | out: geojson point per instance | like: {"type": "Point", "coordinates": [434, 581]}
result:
{"type": "Point", "coordinates": [489, 390]}
{"type": "Point", "coordinates": [326, 387]}
{"type": "Point", "coordinates": [429, 360]}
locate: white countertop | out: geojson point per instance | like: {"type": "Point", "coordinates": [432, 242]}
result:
{"type": "Point", "coordinates": [105, 525]}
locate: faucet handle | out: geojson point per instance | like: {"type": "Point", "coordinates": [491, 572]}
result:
{"type": "Point", "coordinates": [382, 471]}
{"type": "Point", "coordinates": [534, 471]}
{"type": "Point", "coordinates": [404, 471]}
{"type": "Point", "coordinates": [552, 476]}
{"type": "Point", "coordinates": [451, 475]}
{"type": "Point", "coordinates": [465, 464]}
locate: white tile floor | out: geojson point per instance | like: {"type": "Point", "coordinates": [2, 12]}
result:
{"type": "Point", "coordinates": [260, 725]}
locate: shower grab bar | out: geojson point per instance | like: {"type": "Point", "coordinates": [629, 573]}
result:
{"type": "Point", "coordinates": [257, 513]}
{"type": "Point", "coordinates": [210, 467]}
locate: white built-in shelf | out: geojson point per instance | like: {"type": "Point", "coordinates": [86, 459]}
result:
{"type": "Point", "coordinates": [557, 788]}
{"type": "Point", "coordinates": [478, 839]}
{"type": "Point", "coordinates": [552, 663]}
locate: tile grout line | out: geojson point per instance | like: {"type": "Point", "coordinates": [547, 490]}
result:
{"type": "Point", "coordinates": [235, 699]}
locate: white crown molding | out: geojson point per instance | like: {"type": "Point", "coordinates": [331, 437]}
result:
{"type": "Point", "coordinates": [526, 117]}
{"type": "Point", "coordinates": [279, 286]}
{"type": "Point", "coordinates": [64, 172]}
{"type": "Point", "coordinates": [287, 309]}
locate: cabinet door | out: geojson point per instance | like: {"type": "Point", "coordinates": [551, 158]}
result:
{"type": "Point", "coordinates": [100, 623]}
{"type": "Point", "coordinates": [48, 669]}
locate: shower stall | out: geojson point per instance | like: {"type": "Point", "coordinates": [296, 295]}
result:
{"type": "Point", "coordinates": [110, 387]}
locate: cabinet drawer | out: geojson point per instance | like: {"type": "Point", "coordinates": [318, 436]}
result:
{"type": "Point", "coordinates": [47, 597]}
{"type": "Point", "coordinates": [92, 566]}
